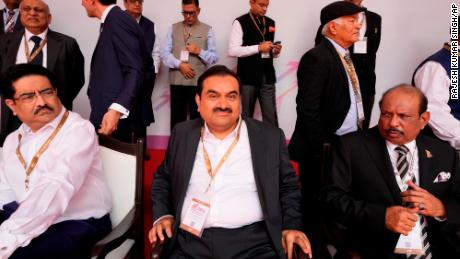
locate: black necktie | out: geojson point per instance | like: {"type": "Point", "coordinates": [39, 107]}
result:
{"type": "Point", "coordinates": [38, 60]}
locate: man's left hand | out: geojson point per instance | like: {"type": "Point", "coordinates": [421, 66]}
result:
{"type": "Point", "coordinates": [428, 204]}
{"type": "Point", "coordinates": [109, 122]}
{"type": "Point", "coordinates": [291, 237]}
{"type": "Point", "coordinates": [194, 49]}
{"type": "Point", "coordinates": [276, 50]}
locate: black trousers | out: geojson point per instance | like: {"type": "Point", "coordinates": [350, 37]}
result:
{"type": "Point", "coordinates": [71, 239]}
{"type": "Point", "coordinates": [250, 241]}
{"type": "Point", "coordinates": [183, 103]}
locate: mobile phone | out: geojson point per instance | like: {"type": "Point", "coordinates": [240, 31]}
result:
{"type": "Point", "coordinates": [277, 42]}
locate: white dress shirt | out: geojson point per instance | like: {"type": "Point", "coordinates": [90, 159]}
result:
{"type": "Point", "coordinates": [434, 82]}
{"type": "Point", "coordinates": [350, 122]}
{"type": "Point", "coordinates": [67, 183]}
{"type": "Point", "coordinates": [412, 159]}
{"type": "Point", "coordinates": [21, 57]}
{"type": "Point", "coordinates": [233, 194]}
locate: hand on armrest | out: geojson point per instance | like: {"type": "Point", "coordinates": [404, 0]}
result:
{"type": "Point", "coordinates": [156, 234]}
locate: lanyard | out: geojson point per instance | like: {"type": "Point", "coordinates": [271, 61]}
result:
{"type": "Point", "coordinates": [42, 149]}
{"type": "Point", "coordinates": [262, 32]}
{"type": "Point", "coordinates": [32, 56]}
{"type": "Point", "coordinates": [207, 161]}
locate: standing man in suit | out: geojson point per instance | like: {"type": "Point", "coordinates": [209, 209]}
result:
{"type": "Point", "coordinates": [190, 47]}
{"type": "Point", "coordinates": [390, 182]}
{"type": "Point", "coordinates": [433, 78]}
{"type": "Point", "coordinates": [117, 72]}
{"type": "Point", "coordinates": [328, 100]}
{"type": "Point", "coordinates": [37, 44]}
{"type": "Point", "coordinates": [252, 42]}
{"type": "Point", "coordinates": [134, 8]}
{"type": "Point", "coordinates": [10, 20]}
{"type": "Point", "coordinates": [226, 188]}
{"type": "Point", "coordinates": [363, 53]}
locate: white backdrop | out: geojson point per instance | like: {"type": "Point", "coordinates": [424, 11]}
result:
{"type": "Point", "coordinates": [411, 30]}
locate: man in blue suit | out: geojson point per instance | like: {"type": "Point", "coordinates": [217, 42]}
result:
{"type": "Point", "coordinates": [117, 72]}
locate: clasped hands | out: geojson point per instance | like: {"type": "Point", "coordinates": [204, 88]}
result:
{"type": "Point", "coordinates": [402, 220]}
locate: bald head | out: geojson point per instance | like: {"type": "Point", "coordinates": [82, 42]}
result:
{"type": "Point", "coordinates": [408, 90]}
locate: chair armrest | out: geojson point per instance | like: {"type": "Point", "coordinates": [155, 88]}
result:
{"type": "Point", "coordinates": [156, 250]}
{"type": "Point", "coordinates": [116, 237]}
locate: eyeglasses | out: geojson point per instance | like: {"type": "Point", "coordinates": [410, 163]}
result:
{"type": "Point", "coordinates": [187, 13]}
{"type": "Point", "coordinates": [28, 10]}
{"type": "Point", "coordinates": [136, 1]}
{"type": "Point", "coordinates": [26, 98]}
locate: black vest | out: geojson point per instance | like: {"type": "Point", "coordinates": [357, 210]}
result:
{"type": "Point", "coordinates": [252, 69]}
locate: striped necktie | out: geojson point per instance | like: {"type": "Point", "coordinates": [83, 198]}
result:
{"type": "Point", "coordinates": [403, 168]}
{"type": "Point", "coordinates": [9, 22]}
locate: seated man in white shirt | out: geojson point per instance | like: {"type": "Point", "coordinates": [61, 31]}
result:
{"type": "Point", "coordinates": [54, 200]}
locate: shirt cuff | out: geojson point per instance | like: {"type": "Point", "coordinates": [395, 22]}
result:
{"type": "Point", "coordinates": [117, 107]}
{"type": "Point", "coordinates": [162, 217]}
{"type": "Point", "coordinates": [440, 219]}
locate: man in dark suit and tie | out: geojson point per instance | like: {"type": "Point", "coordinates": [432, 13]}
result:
{"type": "Point", "coordinates": [328, 100]}
{"type": "Point", "coordinates": [117, 72]}
{"type": "Point", "coordinates": [226, 188]}
{"type": "Point", "coordinates": [10, 20]}
{"type": "Point", "coordinates": [37, 44]}
{"type": "Point", "coordinates": [134, 8]}
{"type": "Point", "coordinates": [390, 184]}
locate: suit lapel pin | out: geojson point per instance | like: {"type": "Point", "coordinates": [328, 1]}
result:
{"type": "Point", "coordinates": [428, 153]}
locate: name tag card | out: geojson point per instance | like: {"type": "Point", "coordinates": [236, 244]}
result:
{"type": "Point", "coordinates": [184, 56]}
{"type": "Point", "coordinates": [195, 217]}
{"type": "Point", "coordinates": [265, 55]}
{"type": "Point", "coordinates": [411, 244]}
{"type": "Point", "coordinates": [360, 46]}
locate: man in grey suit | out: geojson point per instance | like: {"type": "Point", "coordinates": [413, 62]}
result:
{"type": "Point", "coordinates": [37, 44]}
{"type": "Point", "coordinates": [226, 188]}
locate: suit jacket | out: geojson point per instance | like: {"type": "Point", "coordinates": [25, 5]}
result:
{"type": "Point", "coordinates": [276, 181]}
{"type": "Point", "coordinates": [323, 100]}
{"type": "Point", "coordinates": [363, 185]}
{"type": "Point", "coordinates": [64, 59]}
{"type": "Point", "coordinates": [117, 69]}
{"type": "Point", "coordinates": [17, 26]}
{"type": "Point", "coordinates": [149, 82]}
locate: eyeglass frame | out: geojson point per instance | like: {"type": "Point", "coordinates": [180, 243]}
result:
{"type": "Point", "coordinates": [31, 97]}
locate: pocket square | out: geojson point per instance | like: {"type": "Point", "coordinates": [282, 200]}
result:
{"type": "Point", "coordinates": [442, 177]}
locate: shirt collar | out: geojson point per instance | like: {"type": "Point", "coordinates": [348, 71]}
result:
{"type": "Point", "coordinates": [24, 129]}
{"type": "Point", "coordinates": [6, 10]}
{"type": "Point", "coordinates": [410, 145]}
{"type": "Point", "coordinates": [339, 48]}
{"type": "Point", "coordinates": [41, 35]}
{"type": "Point", "coordinates": [232, 134]}
{"type": "Point", "coordinates": [106, 12]}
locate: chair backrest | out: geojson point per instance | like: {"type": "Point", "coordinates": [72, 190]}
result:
{"type": "Point", "coordinates": [124, 171]}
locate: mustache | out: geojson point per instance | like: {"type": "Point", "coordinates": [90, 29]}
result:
{"type": "Point", "coordinates": [392, 130]}
{"type": "Point", "coordinates": [218, 109]}
{"type": "Point", "coordinates": [40, 108]}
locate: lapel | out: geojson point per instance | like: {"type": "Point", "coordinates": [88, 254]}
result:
{"type": "Point", "coordinates": [425, 165]}
{"type": "Point", "coordinates": [2, 23]}
{"type": "Point", "coordinates": [337, 60]}
{"type": "Point", "coordinates": [192, 139]}
{"type": "Point", "coordinates": [379, 153]}
{"type": "Point", "coordinates": [53, 48]}
{"type": "Point", "coordinates": [13, 47]}
{"type": "Point", "coordinates": [257, 143]}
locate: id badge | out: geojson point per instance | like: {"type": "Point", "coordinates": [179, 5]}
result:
{"type": "Point", "coordinates": [265, 55]}
{"type": "Point", "coordinates": [360, 46]}
{"type": "Point", "coordinates": [195, 217]}
{"type": "Point", "coordinates": [411, 244]}
{"type": "Point", "coordinates": [360, 108]}
{"type": "Point", "coordinates": [184, 55]}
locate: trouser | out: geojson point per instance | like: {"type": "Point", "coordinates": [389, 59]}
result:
{"type": "Point", "coordinates": [71, 239]}
{"type": "Point", "coordinates": [250, 241]}
{"type": "Point", "coordinates": [266, 93]}
{"type": "Point", "coordinates": [183, 103]}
